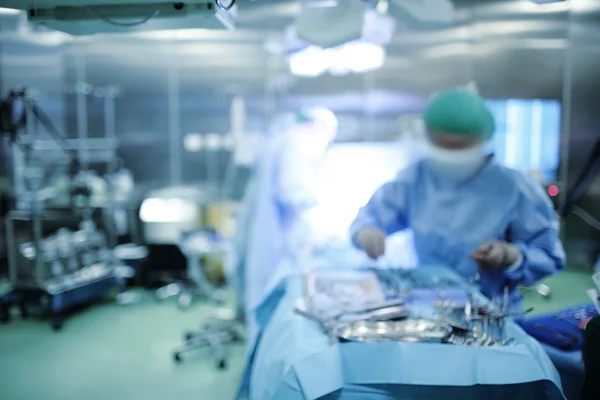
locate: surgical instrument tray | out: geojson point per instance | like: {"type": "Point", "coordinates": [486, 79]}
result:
{"type": "Point", "coordinates": [410, 330]}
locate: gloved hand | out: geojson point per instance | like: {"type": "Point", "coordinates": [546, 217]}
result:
{"type": "Point", "coordinates": [372, 241]}
{"type": "Point", "coordinates": [496, 254]}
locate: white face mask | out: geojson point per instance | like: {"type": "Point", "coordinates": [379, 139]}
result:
{"type": "Point", "coordinates": [458, 164]}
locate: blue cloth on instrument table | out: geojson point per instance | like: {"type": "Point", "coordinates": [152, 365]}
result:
{"type": "Point", "coordinates": [293, 360]}
{"type": "Point", "coordinates": [450, 219]}
{"type": "Point", "coordinates": [571, 369]}
{"type": "Point", "coordinates": [394, 392]}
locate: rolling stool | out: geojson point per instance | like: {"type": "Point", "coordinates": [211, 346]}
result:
{"type": "Point", "coordinates": [218, 330]}
{"type": "Point", "coordinates": [129, 273]}
{"type": "Point", "coordinates": [222, 326]}
{"type": "Point", "coordinates": [195, 247]}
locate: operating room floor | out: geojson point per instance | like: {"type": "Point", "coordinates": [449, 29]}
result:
{"type": "Point", "coordinates": [568, 289]}
{"type": "Point", "coordinates": [124, 352]}
{"type": "Point", "coordinates": [113, 352]}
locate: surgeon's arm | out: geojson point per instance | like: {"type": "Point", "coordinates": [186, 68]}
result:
{"type": "Point", "coordinates": [535, 231]}
{"type": "Point", "coordinates": [386, 211]}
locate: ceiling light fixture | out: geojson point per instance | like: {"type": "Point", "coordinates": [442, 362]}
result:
{"type": "Point", "coordinates": [353, 57]}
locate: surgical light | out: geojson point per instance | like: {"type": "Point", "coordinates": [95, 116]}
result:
{"type": "Point", "coordinates": [356, 57]}
{"type": "Point", "coordinates": [423, 14]}
{"type": "Point", "coordinates": [362, 57]}
{"type": "Point", "coordinates": [378, 27]}
{"type": "Point", "coordinates": [382, 6]}
{"type": "Point", "coordinates": [330, 26]}
{"type": "Point", "coordinates": [339, 69]}
{"type": "Point", "coordinates": [112, 16]}
{"type": "Point", "coordinates": [311, 61]}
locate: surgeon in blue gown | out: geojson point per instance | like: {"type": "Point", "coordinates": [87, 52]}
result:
{"type": "Point", "coordinates": [277, 201]}
{"type": "Point", "coordinates": [466, 210]}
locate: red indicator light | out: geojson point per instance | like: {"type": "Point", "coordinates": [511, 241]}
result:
{"type": "Point", "coordinates": [553, 190]}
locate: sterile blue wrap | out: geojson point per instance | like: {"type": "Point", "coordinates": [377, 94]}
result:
{"type": "Point", "coordinates": [294, 360]}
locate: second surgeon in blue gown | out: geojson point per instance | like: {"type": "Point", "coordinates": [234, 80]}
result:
{"type": "Point", "coordinates": [281, 193]}
{"type": "Point", "coordinates": [467, 211]}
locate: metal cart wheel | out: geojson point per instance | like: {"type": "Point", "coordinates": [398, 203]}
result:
{"type": "Point", "coordinates": [222, 364]}
{"type": "Point", "coordinates": [23, 310]}
{"type": "Point", "coordinates": [177, 358]}
{"type": "Point", "coordinates": [236, 336]}
{"type": "Point", "coordinates": [5, 317]}
{"type": "Point", "coordinates": [56, 324]}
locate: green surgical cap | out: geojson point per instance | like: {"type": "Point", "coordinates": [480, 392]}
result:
{"type": "Point", "coordinates": [459, 112]}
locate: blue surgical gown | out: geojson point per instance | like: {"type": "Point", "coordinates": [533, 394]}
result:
{"type": "Point", "coordinates": [282, 190]}
{"type": "Point", "coordinates": [451, 218]}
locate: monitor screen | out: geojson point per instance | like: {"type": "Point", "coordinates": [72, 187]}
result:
{"type": "Point", "coordinates": [528, 136]}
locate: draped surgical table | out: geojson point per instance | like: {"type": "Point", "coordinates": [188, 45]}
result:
{"type": "Point", "coordinates": [293, 359]}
